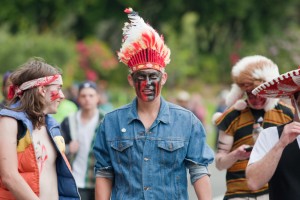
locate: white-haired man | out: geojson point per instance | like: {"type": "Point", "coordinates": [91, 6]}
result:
{"type": "Point", "coordinates": [239, 122]}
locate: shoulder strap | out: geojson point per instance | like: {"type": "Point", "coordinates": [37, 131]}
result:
{"type": "Point", "coordinates": [73, 126]}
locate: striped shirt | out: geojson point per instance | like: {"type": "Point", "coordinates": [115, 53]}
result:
{"type": "Point", "coordinates": [239, 124]}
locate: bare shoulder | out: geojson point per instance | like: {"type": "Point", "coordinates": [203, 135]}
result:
{"type": "Point", "coordinates": [8, 144]}
{"type": "Point", "coordinates": [7, 120]}
{"type": "Point", "coordinates": [8, 124]}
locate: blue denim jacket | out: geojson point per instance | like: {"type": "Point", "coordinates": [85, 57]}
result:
{"type": "Point", "coordinates": [150, 164]}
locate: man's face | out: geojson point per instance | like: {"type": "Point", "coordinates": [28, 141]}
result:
{"type": "Point", "coordinates": [53, 96]}
{"type": "Point", "coordinates": [147, 84]}
{"type": "Point", "coordinates": [255, 102]}
{"type": "Point", "coordinates": [88, 98]}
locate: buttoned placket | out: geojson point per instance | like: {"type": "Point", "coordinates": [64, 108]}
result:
{"type": "Point", "coordinates": [147, 174]}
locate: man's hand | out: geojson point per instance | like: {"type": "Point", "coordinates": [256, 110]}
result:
{"type": "Point", "coordinates": [73, 146]}
{"type": "Point", "coordinates": [241, 153]}
{"type": "Point", "coordinates": [289, 134]}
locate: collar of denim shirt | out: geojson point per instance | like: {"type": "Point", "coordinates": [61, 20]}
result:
{"type": "Point", "coordinates": [163, 115]}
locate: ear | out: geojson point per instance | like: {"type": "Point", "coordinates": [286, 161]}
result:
{"type": "Point", "coordinates": [42, 90]}
{"type": "Point", "coordinates": [164, 78]}
{"type": "Point", "coordinates": [130, 81]}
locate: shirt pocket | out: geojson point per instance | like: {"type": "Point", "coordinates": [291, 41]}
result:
{"type": "Point", "coordinates": [121, 149]}
{"type": "Point", "coordinates": [171, 152]}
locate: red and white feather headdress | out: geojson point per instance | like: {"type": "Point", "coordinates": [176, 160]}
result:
{"type": "Point", "coordinates": [142, 46]}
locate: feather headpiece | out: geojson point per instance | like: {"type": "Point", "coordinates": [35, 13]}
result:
{"type": "Point", "coordinates": [142, 46]}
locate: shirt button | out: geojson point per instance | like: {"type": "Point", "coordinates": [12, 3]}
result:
{"type": "Point", "coordinates": [146, 188]}
{"type": "Point", "coordinates": [146, 159]}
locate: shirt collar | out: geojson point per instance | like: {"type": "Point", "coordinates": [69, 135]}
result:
{"type": "Point", "coordinates": [163, 115]}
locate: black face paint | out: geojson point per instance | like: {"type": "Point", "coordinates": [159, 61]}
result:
{"type": "Point", "coordinates": [147, 84]}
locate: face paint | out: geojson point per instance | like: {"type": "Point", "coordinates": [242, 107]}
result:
{"type": "Point", "coordinates": [54, 95]}
{"type": "Point", "coordinates": [147, 84]}
{"type": "Point", "coordinates": [256, 102]}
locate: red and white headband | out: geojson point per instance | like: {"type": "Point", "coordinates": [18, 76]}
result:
{"type": "Point", "coordinates": [47, 80]}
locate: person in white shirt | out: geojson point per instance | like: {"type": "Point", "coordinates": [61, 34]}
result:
{"type": "Point", "coordinates": [79, 130]}
{"type": "Point", "coordinates": [275, 158]}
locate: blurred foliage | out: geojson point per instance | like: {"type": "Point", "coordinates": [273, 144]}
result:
{"type": "Point", "coordinates": [205, 37]}
{"type": "Point", "coordinates": [18, 48]}
{"type": "Point", "coordinates": [96, 59]}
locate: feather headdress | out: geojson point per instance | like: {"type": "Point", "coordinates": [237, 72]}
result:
{"type": "Point", "coordinates": [142, 46]}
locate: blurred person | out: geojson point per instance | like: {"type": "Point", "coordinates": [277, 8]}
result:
{"type": "Point", "coordinates": [6, 83]}
{"type": "Point", "coordinates": [240, 122]}
{"type": "Point", "coordinates": [183, 98]}
{"type": "Point", "coordinates": [79, 130]}
{"type": "Point", "coordinates": [143, 149]}
{"type": "Point", "coordinates": [221, 107]}
{"type": "Point", "coordinates": [73, 93]}
{"type": "Point", "coordinates": [275, 157]}
{"type": "Point", "coordinates": [197, 107]}
{"type": "Point", "coordinates": [104, 103]}
{"type": "Point", "coordinates": [33, 164]}
{"type": "Point", "coordinates": [222, 101]}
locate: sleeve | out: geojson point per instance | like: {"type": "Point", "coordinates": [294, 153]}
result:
{"type": "Point", "coordinates": [65, 130]}
{"type": "Point", "coordinates": [197, 172]}
{"type": "Point", "coordinates": [199, 154]}
{"type": "Point", "coordinates": [264, 143]}
{"type": "Point", "coordinates": [226, 122]}
{"type": "Point", "coordinates": [103, 165]}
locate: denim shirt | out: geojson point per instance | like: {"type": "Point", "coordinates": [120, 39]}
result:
{"type": "Point", "coordinates": [150, 164]}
